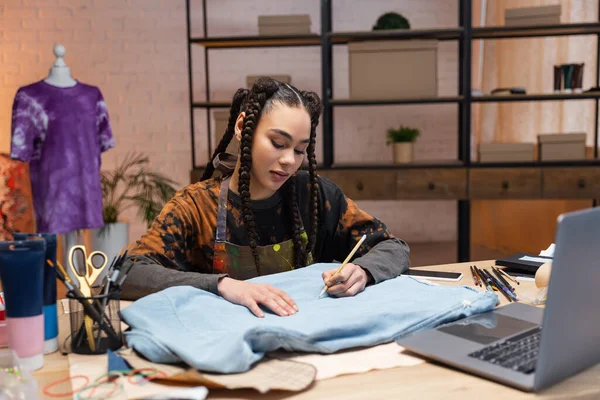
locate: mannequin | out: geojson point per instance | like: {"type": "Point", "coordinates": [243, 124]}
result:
{"type": "Point", "coordinates": [64, 173]}
{"type": "Point", "coordinates": [60, 74]}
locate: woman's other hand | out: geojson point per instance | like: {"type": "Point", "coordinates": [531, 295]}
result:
{"type": "Point", "coordinates": [252, 294]}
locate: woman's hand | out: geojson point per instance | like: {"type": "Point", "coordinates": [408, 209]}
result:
{"type": "Point", "coordinates": [350, 281]}
{"type": "Point", "coordinates": [252, 294]}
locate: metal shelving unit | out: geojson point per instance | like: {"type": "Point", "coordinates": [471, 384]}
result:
{"type": "Point", "coordinates": [257, 41]}
{"type": "Point", "coordinates": [464, 33]}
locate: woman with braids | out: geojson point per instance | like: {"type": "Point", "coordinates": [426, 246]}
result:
{"type": "Point", "coordinates": [262, 215]}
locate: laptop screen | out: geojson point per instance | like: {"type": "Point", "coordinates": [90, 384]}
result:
{"type": "Point", "coordinates": [487, 328]}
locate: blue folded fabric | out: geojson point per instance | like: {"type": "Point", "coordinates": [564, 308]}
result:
{"type": "Point", "coordinates": [205, 331]}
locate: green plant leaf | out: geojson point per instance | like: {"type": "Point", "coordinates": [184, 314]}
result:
{"type": "Point", "coordinates": [402, 134]}
{"type": "Point", "coordinates": [391, 20]}
{"type": "Point", "coordinates": [133, 184]}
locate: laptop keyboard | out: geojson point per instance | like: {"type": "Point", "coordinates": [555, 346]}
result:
{"type": "Point", "coordinates": [518, 353]}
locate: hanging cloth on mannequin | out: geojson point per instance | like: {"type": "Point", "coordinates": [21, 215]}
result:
{"type": "Point", "coordinates": [61, 132]}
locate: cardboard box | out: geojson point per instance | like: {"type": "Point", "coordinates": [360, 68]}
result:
{"type": "Point", "coordinates": [506, 152]}
{"type": "Point", "coordinates": [272, 25]}
{"type": "Point", "coordinates": [381, 70]}
{"type": "Point", "coordinates": [221, 119]}
{"type": "Point", "coordinates": [528, 16]}
{"type": "Point", "coordinates": [250, 79]}
{"type": "Point", "coordinates": [562, 146]}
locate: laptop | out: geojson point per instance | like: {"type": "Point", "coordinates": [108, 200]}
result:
{"type": "Point", "coordinates": [528, 347]}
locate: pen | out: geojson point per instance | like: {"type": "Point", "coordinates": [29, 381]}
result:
{"type": "Point", "coordinates": [501, 288]}
{"type": "Point", "coordinates": [110, 278]}
{"type": "Point", "coordinates": [508, 276]}
{"type": "Point", "coordinates": [362, 239]}
{"type": "Point", "coordinates": [484, 282]}
{"type": "Point", "coordinates": [501, 279]}
{"type": "Point", "coordinates": [511, 293]}
{"type": "Point", "coordinates": [479, 283]}
{"type": "Point", "coordinates": [473, 275]}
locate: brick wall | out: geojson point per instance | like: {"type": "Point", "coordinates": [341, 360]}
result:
{"type": "Point", "coordinates": [135, 51]}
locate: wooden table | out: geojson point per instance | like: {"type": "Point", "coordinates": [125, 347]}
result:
{"type": "Point", "coordinates": [425, 381]}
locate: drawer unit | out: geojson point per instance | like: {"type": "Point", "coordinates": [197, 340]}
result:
{"type": "Point", "coordinates": [432, 183]}
{"type": "Point", "coordinates": [505, 183]}
{"type": "Point", "coordinates": [571, 182]}
{"type": "Point", "coordinates": [357, 184]}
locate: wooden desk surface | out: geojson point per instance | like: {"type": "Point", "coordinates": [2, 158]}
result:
{"type": "Point", "coordinates": [425, 381]}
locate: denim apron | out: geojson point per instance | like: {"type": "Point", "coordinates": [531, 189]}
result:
{"type": "Point", "coordinates": [238, 261]}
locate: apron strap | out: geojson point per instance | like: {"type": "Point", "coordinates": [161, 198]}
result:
{"type": "Point", "coordinates": [222, 211]}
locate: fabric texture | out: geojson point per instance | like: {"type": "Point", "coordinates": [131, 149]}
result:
{"type": "Point", "coordinates": [208, 333]}
{"type": "Point", "coordinates": [182, 236]}
{"type": "Point", "coordinates": [61, 133]}
{"type": "Point", "coordinates": [16, 203]}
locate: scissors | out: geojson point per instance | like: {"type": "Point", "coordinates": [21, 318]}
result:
{"type": "Point", "coordinates": [86, 279]}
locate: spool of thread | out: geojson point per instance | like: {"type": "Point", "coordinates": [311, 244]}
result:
{"type": "Point", "coordinates": [542, 275]}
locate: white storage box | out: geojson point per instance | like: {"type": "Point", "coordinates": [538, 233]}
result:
{"type": "Point", "coordinates": [272, 25]}
{"type": "Point", "coordinates": [562, 146]}
{"type": "Point", "coordinates": [506, 152]}
{"type": "Point", "coordinates": [528, 16]}
{"type": "Point", "coordinates": [393, 69]}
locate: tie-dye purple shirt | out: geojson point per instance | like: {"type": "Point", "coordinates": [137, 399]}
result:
{"type": "Point", "coordinates": [61, 133]}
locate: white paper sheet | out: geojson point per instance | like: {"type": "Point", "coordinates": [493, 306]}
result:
{"type": "Point", "coordinates": [549, 252]}
{"type": "Point", "coordinates": [353, 361]}
{"type": "Point", "coordinates": [534, 259]}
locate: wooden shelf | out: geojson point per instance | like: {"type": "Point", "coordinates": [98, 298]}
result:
{"type": "Point", "coordinates": [415, 164]}
{"type": "Point", "coordinates": [258, 41]}
{"type": "Point", "coordinates": [395, 34]}
{"type": "Point", "coordinates": [416, 100]}
{"type": "Point", "coordinates": [211, 104]}
{"type": "Point", "coordinates": [506, 32]}
{"type": "Point", "coordinates": [536, 164]}
{"type": "Point", "coordinates": [535, 97]}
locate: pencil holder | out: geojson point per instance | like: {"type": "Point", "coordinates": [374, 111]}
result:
{"type": "Point", "coordinates": [95, 332]}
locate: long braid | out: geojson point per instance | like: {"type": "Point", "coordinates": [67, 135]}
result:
{"type": "Point", "coordinates": [253, 109]}
{"type": "Point", "coordinates": [264, 93]}
{"type": "Point", "coordinates": [314, 190]}
{"type": "Point", "coordinates": [314, 108]}
{"type": "Point", "coordinates": [236, 105]}
{"type": "Point", "coordinates": [300, 257]}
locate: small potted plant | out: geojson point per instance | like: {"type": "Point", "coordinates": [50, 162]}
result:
{"type": "Point", "coordinates": [403, 140]}
{"type": "Point", "coordinates": [131, 184]}
{"type": "Point", "coordinates": [391, 20]}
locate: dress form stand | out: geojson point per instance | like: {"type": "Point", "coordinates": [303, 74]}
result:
{"type": "Point", "coordinates": [60, 76]}
{"type": "Point", "coordinates": [60, 73]}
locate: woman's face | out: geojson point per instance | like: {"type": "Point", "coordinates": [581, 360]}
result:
{"type": "Point", "coordinates": [278, 148]}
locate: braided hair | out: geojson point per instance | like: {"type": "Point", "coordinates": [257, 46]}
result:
{"type": "Point", "coordinates": [236, 107]}
{"type": "Point", "coordinates": [261, 98]}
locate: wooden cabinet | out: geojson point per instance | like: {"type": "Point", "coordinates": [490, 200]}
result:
{"type": "Point", "coordinates": [459, 183]}
{"type": "Point", "coordinates": [505, 183]}
{"type": "Point", "coordinates": [571, 182]}
{"type": "Point", "coordinates": [364, 184]}
{"type": "Point", "coordinates": [432, 183]}
{"type": "Point", "coordinates": [399, 184]}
